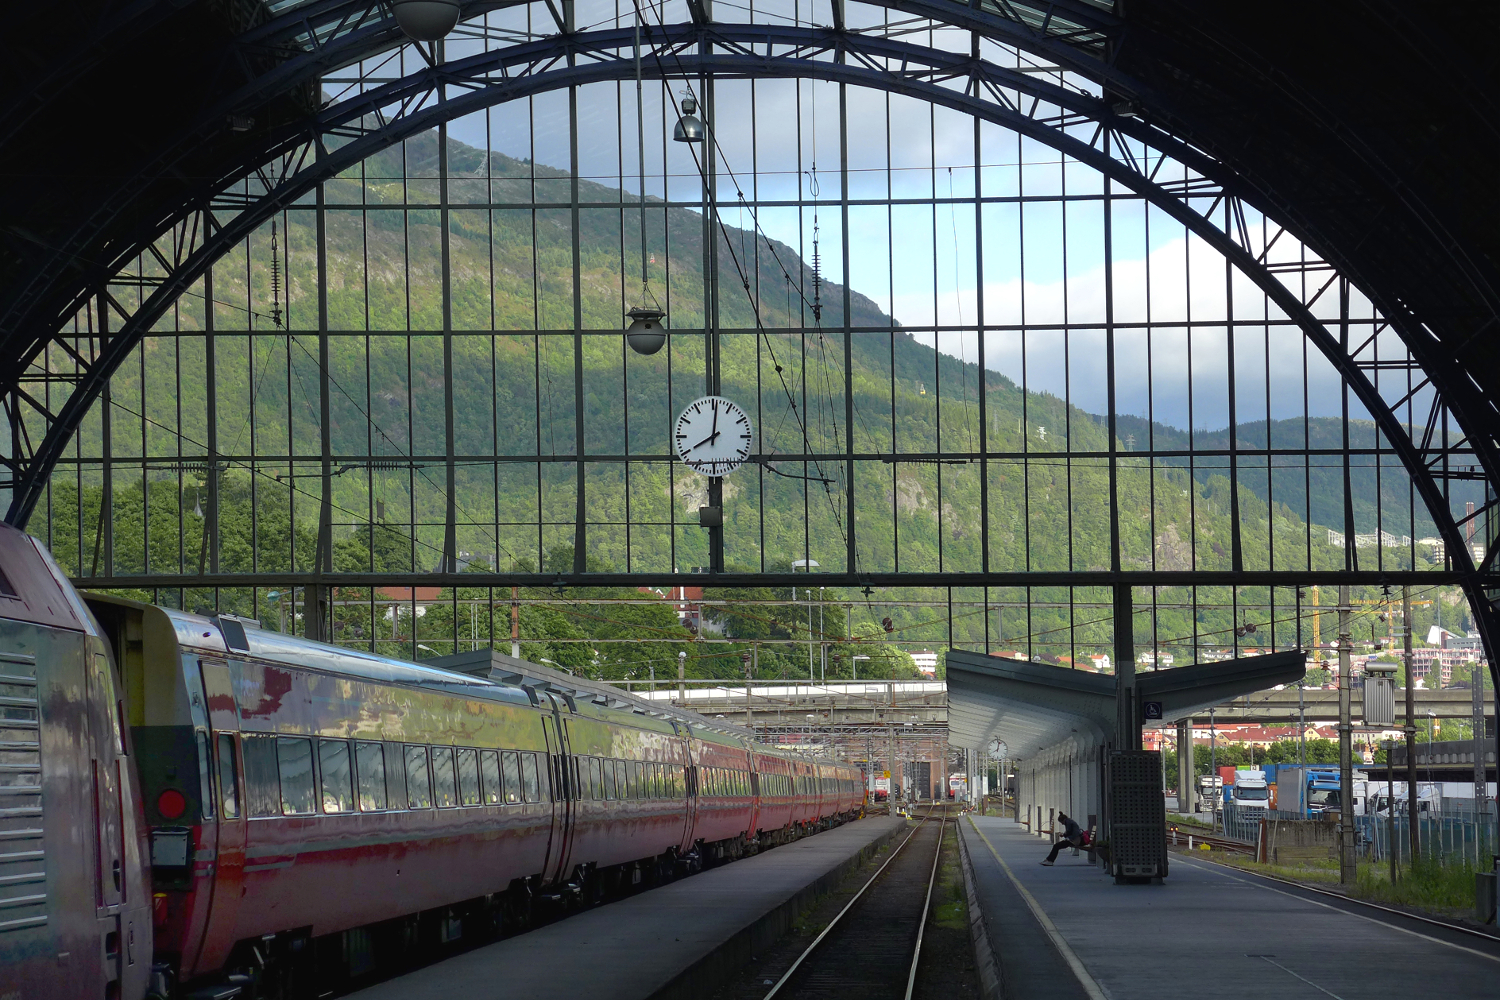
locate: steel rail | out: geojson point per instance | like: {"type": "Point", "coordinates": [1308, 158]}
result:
{"type": "Point", "coordinates": [808, 951]}
{"type": "Point", "coordinates": [916, 954]}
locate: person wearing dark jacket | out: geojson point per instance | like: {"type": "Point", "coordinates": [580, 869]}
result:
{"type": "Point", "coordinates": [1072, 837]}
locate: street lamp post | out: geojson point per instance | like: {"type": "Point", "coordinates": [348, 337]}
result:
{"type": "Point", "coordinates": [1216, 794]}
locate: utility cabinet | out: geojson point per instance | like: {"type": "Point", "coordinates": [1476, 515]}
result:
{"type": "Point", "coordinates": [1137, 816]}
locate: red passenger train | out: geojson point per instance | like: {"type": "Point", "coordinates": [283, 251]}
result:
{"type": "Point", "coordinates": [306, 812]}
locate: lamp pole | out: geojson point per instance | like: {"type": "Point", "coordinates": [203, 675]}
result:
{"type": "Point", "coordinates": [1410, 730]}
{"type": "Point", "coordinates": [1213, 772]}
{"type": "Point", "coordinates": [1347, 862]}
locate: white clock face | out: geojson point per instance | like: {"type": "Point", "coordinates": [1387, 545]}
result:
{"type": "Point", "coordinates": [713, 436]}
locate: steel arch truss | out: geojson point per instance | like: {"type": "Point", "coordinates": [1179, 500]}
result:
{"type": "Point", "coordinates": [1433, 437]}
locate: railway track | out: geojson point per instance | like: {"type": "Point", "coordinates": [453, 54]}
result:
{"type": "Point", "coordinates": [1179, 838]}
{"type": "Point", "coordinates": [871, 948]}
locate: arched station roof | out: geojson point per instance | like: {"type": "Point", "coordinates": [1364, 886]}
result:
{"type": "Point", "coordinates": [1367, 130]}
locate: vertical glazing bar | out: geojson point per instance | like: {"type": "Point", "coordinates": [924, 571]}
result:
{"type": "Point", "coordinates": [450, 377]}
{"type": "Point", "coordinates": [851, 549]}
{"type": "Point", "coordinates": [580, 531]}
{"type": "Point", "coordinates": [316, 614]}
{"type": "Point", "coordinates": [1110, 383]}
{"type": "Point", "coordinates": [211, 390]}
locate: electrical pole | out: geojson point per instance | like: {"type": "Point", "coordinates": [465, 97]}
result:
{"type": "Point", "coordinates": [1390, 811]}
{"type": "Point", "coordinates": [1481, 786]}
{"type": "Point", "coordinates": [1347, 862]}
{"type": "Point", "coordinates": [1213, 772]}
{"type": "Point", "coordinates": [1411, 731]}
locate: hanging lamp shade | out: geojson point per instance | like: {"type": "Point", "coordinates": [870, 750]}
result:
{"type": "Point", "coordinates": [689, 127]}
{"type": "Point", "coordinates": [426, 20]}
{"type": "Point", "coordinates": [646, 335]}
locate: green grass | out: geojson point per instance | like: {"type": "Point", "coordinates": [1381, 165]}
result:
{"type": "Point", "coordinates": [1429, 884]}
{"type": "Point", "coordinates": [1446, 889]}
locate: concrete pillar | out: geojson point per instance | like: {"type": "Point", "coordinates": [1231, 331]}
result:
{"type": "Point", "coordinates": [1186, 779]}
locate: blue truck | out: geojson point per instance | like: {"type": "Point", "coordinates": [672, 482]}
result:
{"type": "Point", "coordinates": [1313, 790]}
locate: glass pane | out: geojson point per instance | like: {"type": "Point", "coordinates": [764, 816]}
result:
{"type": "Point", "coordinates": [294, 756]}
{"type": "Point", "coordinates": [512, 766]}
{"type": "Point", "coordinates": [596, 783]}
{"type": "Point", "coordinates": [338, 795]}
{"type": "Point", "coordinates": [529, 776]}
{"type": "Point", "coordinates": [395, 777]}
{"type": "Point", "coordinates": [468, 777]}
{"type": "Point", "coordinates": [370, 760]}
{"type": "Point", "coordinates": [418, 783]}
{"type": "Point", "coordinates": [205, 777]}
{"type": "Point", "coordinates": [444, 790]}
{"type": "Point", "coordinates": [489, 769]}
{"type": "Point", "coordinates": [262, 785]}
{"type": "Point", "coordinates": [229, 785]}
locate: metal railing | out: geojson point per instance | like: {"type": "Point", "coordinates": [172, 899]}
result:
{"type": "Point", "coordinates": [1452, 835]}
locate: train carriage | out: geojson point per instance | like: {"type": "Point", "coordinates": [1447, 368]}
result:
{"type": "Point", "coordinates": [293, 812]}
{"type": "Point", "coordinates": [75, 917]}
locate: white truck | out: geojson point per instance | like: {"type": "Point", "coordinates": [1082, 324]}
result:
{"type": "Point", "coordinates": [1250, 789]}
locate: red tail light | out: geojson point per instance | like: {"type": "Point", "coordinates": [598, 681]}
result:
{"type": "Point", "coordinates": [171, 804]}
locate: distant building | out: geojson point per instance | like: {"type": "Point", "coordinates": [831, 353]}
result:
{"type": "Point", "coordinates": [1101, 663]}
{"type": "Point", "coordinates": [1384, 539]}
{"type": "Point", "coordinates": [926, 662]}
{"type": "Point", "coordinates": [1151, 658]}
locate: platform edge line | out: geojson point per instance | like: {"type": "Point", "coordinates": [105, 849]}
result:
{"type": "Point", "coordinates": [1090, 986]}
{"type": "Point", "coordinates": [985, 961]}
{"type": "Point", "coordinates": [1358, 916]}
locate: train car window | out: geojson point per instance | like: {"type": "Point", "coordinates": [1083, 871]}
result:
{"type": "Point", "coordinates": [338, 781]}
{"type": "Point", "coordinates": [294, 756]}
{"type": "Point", "coordinates": [395, 776]}
{"type": "Point", "coordinates": [418, 780]}
{"type": "Point", "coordinates": [529, 778]}
{"type": "Point", "coordinates": [262, 782]}
{"type": "Point", "coordinates": [622, 778]}
{"type": "Point", "coordinates": [369, 760]}
{"type": "Point", "coordinates": [633, 778]}
{"type": "Point", "coordinates": [444, 788]}
{"type": "Point", "coordinates": [205, 775]}
{"type": "Point", "coordinates": [468, 777]}
{"type": "Point", "coordinates": [511, 764]}
{"type": "Point", "coordinates": [229, 782]}
{"type": "Point", "coordinates": [543, 778]}
{"type": "Point", "coordinates": [489, 771]}
{"type": "Point", "coordinates": [591, 766]}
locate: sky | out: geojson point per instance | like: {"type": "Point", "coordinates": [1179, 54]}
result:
{"type": "Point", "coordinates": [1044, 263]}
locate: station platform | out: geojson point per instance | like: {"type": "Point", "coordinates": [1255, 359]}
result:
{"type": "Point", "coordinates": [1069, 932]}
{"type": "Point", "coordinates": [681, 940]}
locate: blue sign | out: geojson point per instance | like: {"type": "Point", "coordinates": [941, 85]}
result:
{"type": "Point", "coordinates": [1153, 710]}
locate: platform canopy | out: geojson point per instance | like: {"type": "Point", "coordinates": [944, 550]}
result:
{"type": "Point", "coordinates": [1032, 706]}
